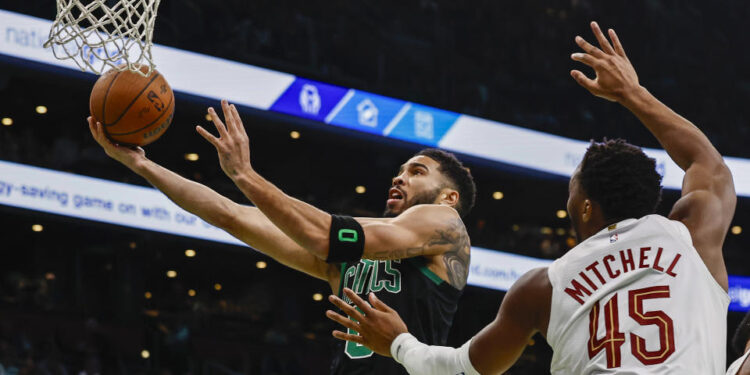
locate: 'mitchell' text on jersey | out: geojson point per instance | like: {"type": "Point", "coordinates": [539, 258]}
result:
{"type": "Point", "coordinates": [610, 267]}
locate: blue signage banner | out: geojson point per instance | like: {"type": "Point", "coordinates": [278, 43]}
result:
{"type": "Point", "coordinates": [310, 99]}
{"type": "Point", "coordinates": [422, 124]}
{"type": "Point", "coordinates": [252, 86]}
{"type": "Point", "coordinates": [367, 112]}
{"type": "Point", "coordinates": [739, 292]}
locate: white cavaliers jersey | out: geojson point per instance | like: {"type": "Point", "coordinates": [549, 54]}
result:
{"type": "Point", "coordinates": [636, 298]}
{"type": "Point", "coordinates": [735, 367]}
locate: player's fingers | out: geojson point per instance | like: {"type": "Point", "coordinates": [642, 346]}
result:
{"type": "Point", "coordinates": [98, 133]}
{"type": "Point", "coordinates": [92, 128]}
{"type": "Point", "coordinates": [362, 304]}
{"type": "Point", "coordinates": [616, 41]}
{"type": "Point", "coordinates": [582, 80]}
{"type": "Point", "coordinates": [586, 59]}
{"type": "Point", "coordinates": [349, 337]}
{"type": "Point", "coordinates": [236, 114]}
{"type": "Point", "coordinates": [228, 117]}
{"type": "Point", "coordinates": [378, 304]}
{"type": "Point", "coordinates": [207, 136]}
{"type": "Point", "coordinates": [344, 321]}
{"type": "Point", "coordinates": [346, 308]}
{"type": "Point", "coordinates": [217, 122]}
{"type": "Point", "coordinates": [590, 49]}
{"type": "Point", "coordinates": [603, 42]}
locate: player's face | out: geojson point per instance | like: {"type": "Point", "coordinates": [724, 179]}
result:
{"type": "Point", "coordinates": [576, 199]}
{"type": "Point", "coordinates": [419, 181]}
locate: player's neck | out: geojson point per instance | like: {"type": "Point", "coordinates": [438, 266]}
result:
{"type": "Point", "coordinates": [597, 225]}
{"type": "Point", "coordinates": [593, 226]}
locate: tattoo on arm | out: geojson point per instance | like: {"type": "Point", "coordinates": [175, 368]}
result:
{"type": "Point", "coordinates": [453, 240]}
{"type": "Point", "coordinates": [457, 258]}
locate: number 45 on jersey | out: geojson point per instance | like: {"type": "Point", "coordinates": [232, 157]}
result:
{"type": "Point", "coordinates": [613, 340]}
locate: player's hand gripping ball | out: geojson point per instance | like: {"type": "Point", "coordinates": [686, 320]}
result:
{"type": "Point", "coordinates": [134, 110]}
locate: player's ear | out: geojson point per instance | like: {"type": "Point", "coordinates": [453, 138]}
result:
{"type": "Point", "coordinates": [587, 211]}
{"type": "Point", "coordinates": [448, 197]}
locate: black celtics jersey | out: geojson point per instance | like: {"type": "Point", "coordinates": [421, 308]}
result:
{"type": "Point", "coordinates": [424, 301]}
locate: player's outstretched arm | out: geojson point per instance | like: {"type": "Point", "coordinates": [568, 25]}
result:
{"type": "Point", "coordinates": [421, 230]}
{"type": "Point", "coordinates": [523, 312]}
{"type": "Point", "coordinates": [708, 197]}
{"type": "Point", "coordinates": [246, 223]}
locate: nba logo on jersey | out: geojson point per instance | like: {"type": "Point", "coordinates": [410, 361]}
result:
{"type": "Point", "coordinates": [613, 238]}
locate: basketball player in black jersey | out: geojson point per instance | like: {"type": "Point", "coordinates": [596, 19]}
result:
{"type": "Point", "coordinates": [416, 257]}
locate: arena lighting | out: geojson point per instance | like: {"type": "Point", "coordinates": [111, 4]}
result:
{"type": "Point", "coordinates": [189, 253]}
{"type": "Point", "coordinates": [294, 134]}
{"type": "Point", "coordinates": [191, 292]}
{"type": "Point", "coordinates": [147, 295]}
{"type": "Point", "coordinates": [49, 276]}
{"type": "Point", "coordinates": [208, 117]}
{"type": "Point", "coordinates": [37, 228]}
{"type": "Point", "coordinates": [515, 227]}
{"type": "Point", "coordinates": [571, 242]}
{"type": "Point", "coordinates": [498, 195]}
{"type": "Point", "coordinates": [736, 229]}
{"type": "Point", "coordinates": [562, 214]}
{"type": "Point", "coordinates": [145, 354]}
{"type": "Point", "coordinates": [171, 274]}
{"type": "Point", "coordinates": [192, 157]}
{"type": "Point", "coordinates": [317, 297]}
{"type": "Point", "coordinates": [261, 264]}
{"type": "Point", "coordinates": [546, 230]}
{"type": "Point", "coordinates": [7, 121]}
{"type": "Point", "coordinates": [40, 109]}
{"type": "Point", "coordinates": [560, 231]}
{"type": "Point", "coordinates": [132, 245]}
{"type": "Point", "coordinates": [360, 189]}
{"type": "Point", "coordinates": [217, 286]}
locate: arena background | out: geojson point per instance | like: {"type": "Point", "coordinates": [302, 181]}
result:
{"type": "Point", "coordinates": [87, 297]}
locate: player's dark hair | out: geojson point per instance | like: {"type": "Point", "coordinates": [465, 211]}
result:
{"type": "Point", "coordinates": [742, 335]}
{"type": "Point", "coordinates": [621, 179]}
{"type": "Point", "coordinates": [458, 176]}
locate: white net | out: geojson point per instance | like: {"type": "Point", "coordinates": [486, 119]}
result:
{"type": "Point", "coordinates": [103, 34]}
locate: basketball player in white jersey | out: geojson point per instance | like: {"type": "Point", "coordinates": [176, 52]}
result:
{"type": "Point", "coordinates": [741, 344]}
{"type": "Point", "coordinates": [640, 294]}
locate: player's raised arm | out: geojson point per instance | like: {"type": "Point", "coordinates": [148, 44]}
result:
{"type": "Point", "coordinates": [422, 230]}
{"type": "Point", "coordinates": [708, 197]}
{"type": "Point", "coordinates": [243, 222]}
{"type": "Point", "coordinates": [523, 312]}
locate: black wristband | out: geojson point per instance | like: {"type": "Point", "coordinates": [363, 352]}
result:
{"type": "Point", "coordinates": [346, 240]}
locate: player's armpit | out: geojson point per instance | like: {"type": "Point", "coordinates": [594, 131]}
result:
{"type": "Point", "coordinates": [706, 208]}
{"type": "Point", "coordinates": [523, 312]}
{"type": "Point", "coordinates": [707, 218]}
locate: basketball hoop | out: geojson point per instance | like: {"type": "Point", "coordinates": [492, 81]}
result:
{"type": "Point", "coordinates": [97, 36]}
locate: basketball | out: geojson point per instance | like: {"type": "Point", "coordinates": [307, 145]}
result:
{"type": "Point", "coordinates": [134, 110]}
